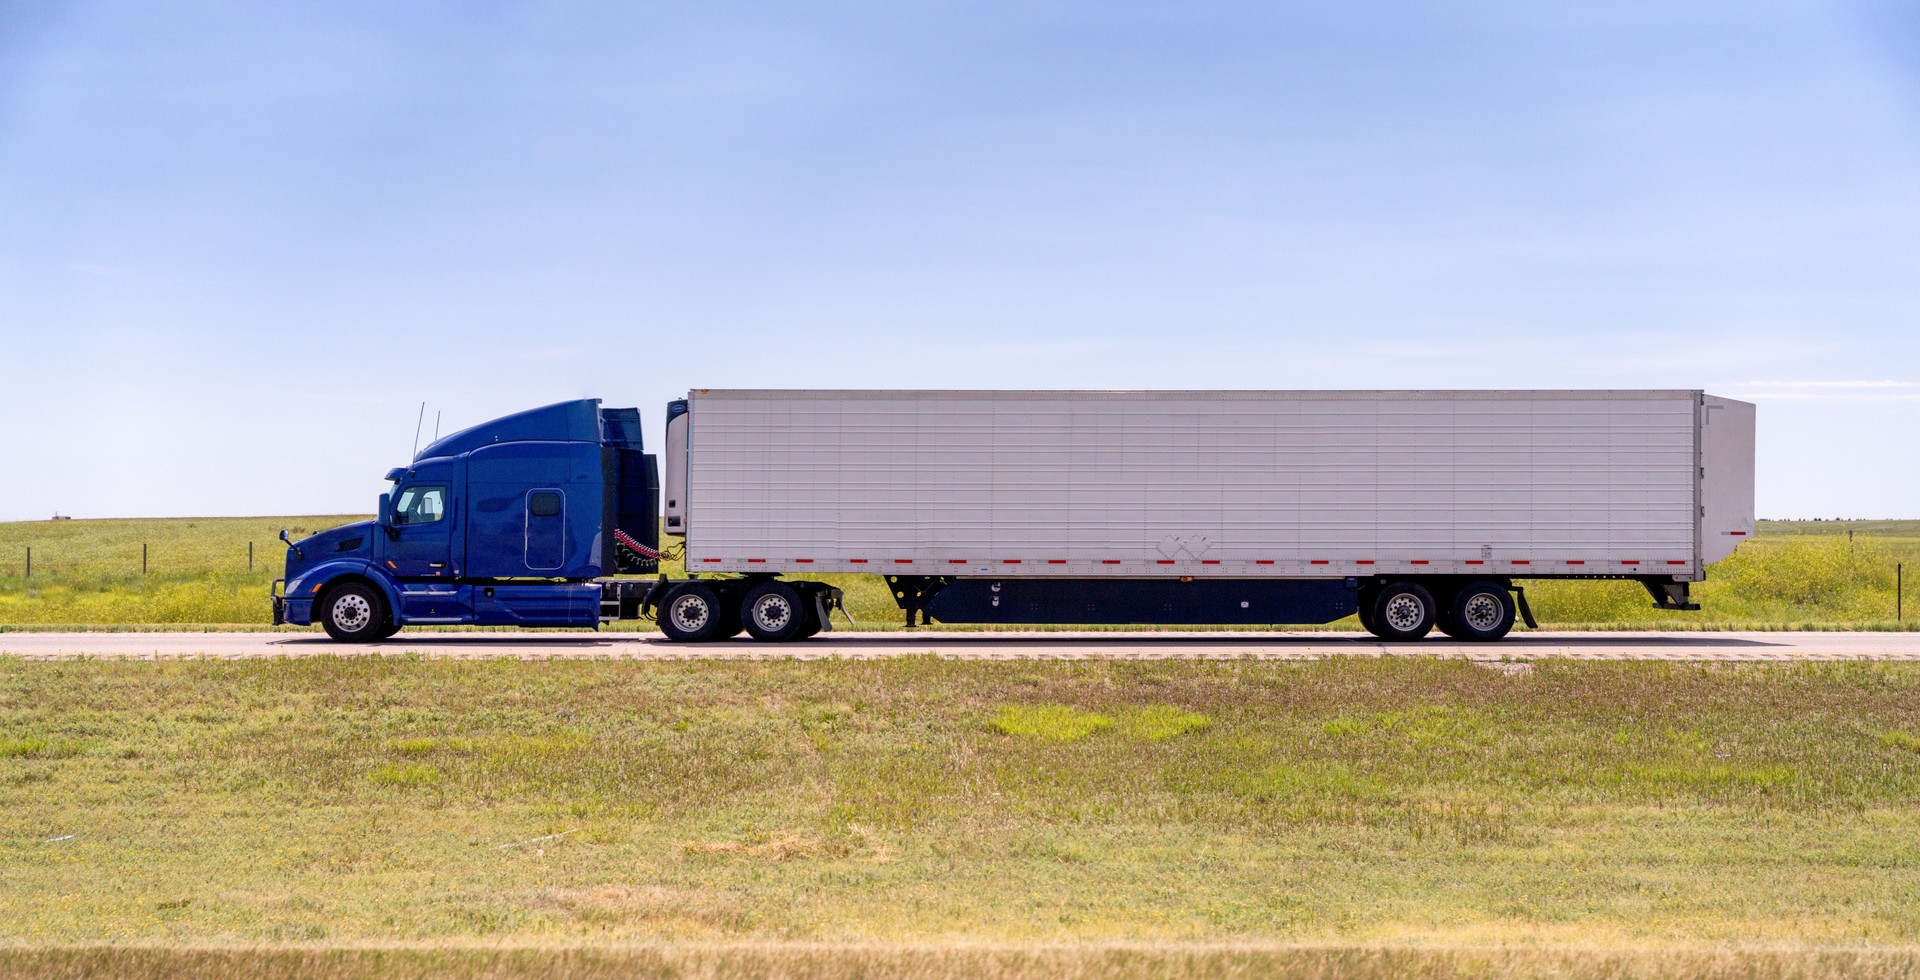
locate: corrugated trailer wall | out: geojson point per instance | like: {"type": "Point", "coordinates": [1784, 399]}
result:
{"type": "Point", "coordinates": [1233, 484]}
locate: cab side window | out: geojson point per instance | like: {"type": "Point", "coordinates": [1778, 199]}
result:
{"type": "Point", "coordinates": [420, 505]}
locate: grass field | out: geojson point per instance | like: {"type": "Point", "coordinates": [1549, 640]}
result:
{"type": "Point", "coordinates": [1797, 574]}
{"type": "Point", "coordinates": [398, 816]}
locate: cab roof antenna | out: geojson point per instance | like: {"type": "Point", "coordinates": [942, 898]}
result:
{"type": "Point", "coordinates": [416, 430]}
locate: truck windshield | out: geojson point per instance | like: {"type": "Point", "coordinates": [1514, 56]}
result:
{"type": "Point", "coordinates": [420, 505]}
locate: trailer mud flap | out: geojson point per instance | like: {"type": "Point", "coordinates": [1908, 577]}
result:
{"type": "Point", "coordinates": [1526, 611]}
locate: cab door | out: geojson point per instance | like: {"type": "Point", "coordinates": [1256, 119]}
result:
{"type": "Point", "coordinates": [546, 529]}
{"type": "Point", "coordinates": [422, 539]}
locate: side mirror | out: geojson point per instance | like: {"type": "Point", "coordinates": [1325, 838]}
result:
{"type": "Point", "coordinates": [290, 545]}
{"type": "Point", "coordinates": [385, 519]}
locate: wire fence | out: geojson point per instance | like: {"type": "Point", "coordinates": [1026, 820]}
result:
{"type": "Point", "coordinates": [44, 562]}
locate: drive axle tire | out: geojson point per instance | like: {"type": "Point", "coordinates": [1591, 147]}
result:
{"type": "Point", "coordinates": [775, 612]}
{"type": "Point", "coordinates": [692, 613]}
{"type": "Point", "coordinates": [355, 613]}
{"type": "Point", "coordinates": [1482, 612]}
{"type": "Point", "coordinates": [1403, 611]}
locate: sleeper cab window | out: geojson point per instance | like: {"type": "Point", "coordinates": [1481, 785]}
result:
{"type": "Point", "coordinates": [544, 503]}
{"type": "Point", "coordinates": [420, 505]}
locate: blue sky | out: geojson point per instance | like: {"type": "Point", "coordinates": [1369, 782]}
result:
{"type": "Point", "coordinates": [240, 243]}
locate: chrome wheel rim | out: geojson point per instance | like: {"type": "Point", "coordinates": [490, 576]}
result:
{"type": "Point", "coordinates": [1483, 611]}
{"type": "Point", "coordinates": [1404, 612]}
{"type": "Point", "coordinates": [352, 612]}
{"type": "Point", "coordinates": [772, 612]}
{"type": "Point", "coordinates": [690, 613]}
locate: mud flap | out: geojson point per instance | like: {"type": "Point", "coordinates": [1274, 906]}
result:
{"type": "Point", "coordinates": [1526, 611]}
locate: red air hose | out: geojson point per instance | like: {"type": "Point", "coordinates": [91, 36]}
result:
{"type": "Point", "coordinates": [636, 547]}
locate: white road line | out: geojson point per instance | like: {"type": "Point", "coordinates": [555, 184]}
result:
{"type": "Point", "coordinates": [1680, 646]}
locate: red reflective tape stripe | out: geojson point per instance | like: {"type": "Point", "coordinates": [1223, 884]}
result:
{"type": "Point", "coordinates": [1419, 561]}
{"type": "Point", "coordinates": [1676, 563]}
{"type": "Point", "coordinates": [1576, 561]}
{"type": "Point", "coordinates": [756, 561]}
{"type": "Point", "coordinates": [709, 559]}
{"type": "Point", "coordinates": [1475, 561]}
{"type": "Point", "coordinates": [1164, 561]}
{"type": "Point", "coordinates": [857, 561]}
{"type": "Point", "coordinates": [1264, 561]}
{"type": "Point", "coordinates": [1209, 561]}
{"type": "Point", "coordinates": [1056, 561]}
{"type": "Point", "coordinates": [1364, 561]}
{"type": "Point", "coordinates": [903, 561]}
{"type": "Point", "coordinates": [804, 561]}
{"type": "Point", "coordinates": [1624, 562]}
{"type": "Point", "coordinates": [1522, 561]}
{"type": "Point", "coordinates": [1316, 561]}
{"type": "Point", "coordinates": [1737, 534]}
{"type": "Point", "coordinates": [956, 561]}
{"type": "Point", "coordinates": [1109, 561]}
{"type": "Point", "coordinates": [1010, 561]}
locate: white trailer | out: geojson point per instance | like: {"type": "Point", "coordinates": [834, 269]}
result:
{"type": "Point", "coordinates": [1413, 508]}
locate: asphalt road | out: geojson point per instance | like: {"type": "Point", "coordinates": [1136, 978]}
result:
{"type": "Point", "coordinates": [1523, 645]}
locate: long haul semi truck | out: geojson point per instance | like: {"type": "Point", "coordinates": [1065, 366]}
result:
{"type": "Point", "coordinates": [1411, 509]}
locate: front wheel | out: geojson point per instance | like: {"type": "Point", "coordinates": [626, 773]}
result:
{"type": "Point", "coordinates": [691, 613]}
{"type": "Point", "coordinates": [1403, 611]}
{"type": "Point", "coordinates": [355, 613]}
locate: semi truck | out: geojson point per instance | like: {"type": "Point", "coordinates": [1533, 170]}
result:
{"type": "Point", "coordinates": [1412, 510]}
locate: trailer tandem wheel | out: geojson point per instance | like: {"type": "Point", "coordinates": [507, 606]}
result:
{"type": "Point", "coordinates": [1403, 611]}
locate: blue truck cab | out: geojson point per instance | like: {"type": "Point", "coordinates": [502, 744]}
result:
{"type": "Point", "coordinates": [520, 521]}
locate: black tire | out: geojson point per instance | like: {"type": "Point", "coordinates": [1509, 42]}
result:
{"type": "Point", "coordinates": [693, 613]}
{"type": "Point", "coordinates": [816, 620]}
{"type": "Point", "coordinates": [1403, 611]}
{"type": "Point", "coordinates": [355, 612]}
{"type": "Point", "coordinates": [1364, 609]}
{"type": "Point", "coordinates": [775, 612]}
{"type": "Point", "coordinates": [1481, 612]}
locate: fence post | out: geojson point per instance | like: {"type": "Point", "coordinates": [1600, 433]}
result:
{"type": "Point", "coordinates": [1899, 592]}
{"type": "Point", "coordinates": [143, 558]}
{"type": "Point", "coordinates": [249, 556]}
{"type": "Point", "coordinates": [29, 561]}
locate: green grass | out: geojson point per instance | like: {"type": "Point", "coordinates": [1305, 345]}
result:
{"type": "Point", "coordinates": [1793, 575]}
{"type": "Point", "coordinates": [883, 806]}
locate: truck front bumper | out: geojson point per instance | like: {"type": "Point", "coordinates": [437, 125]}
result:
{"type": "Point", "coordinates": [289, 610]}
